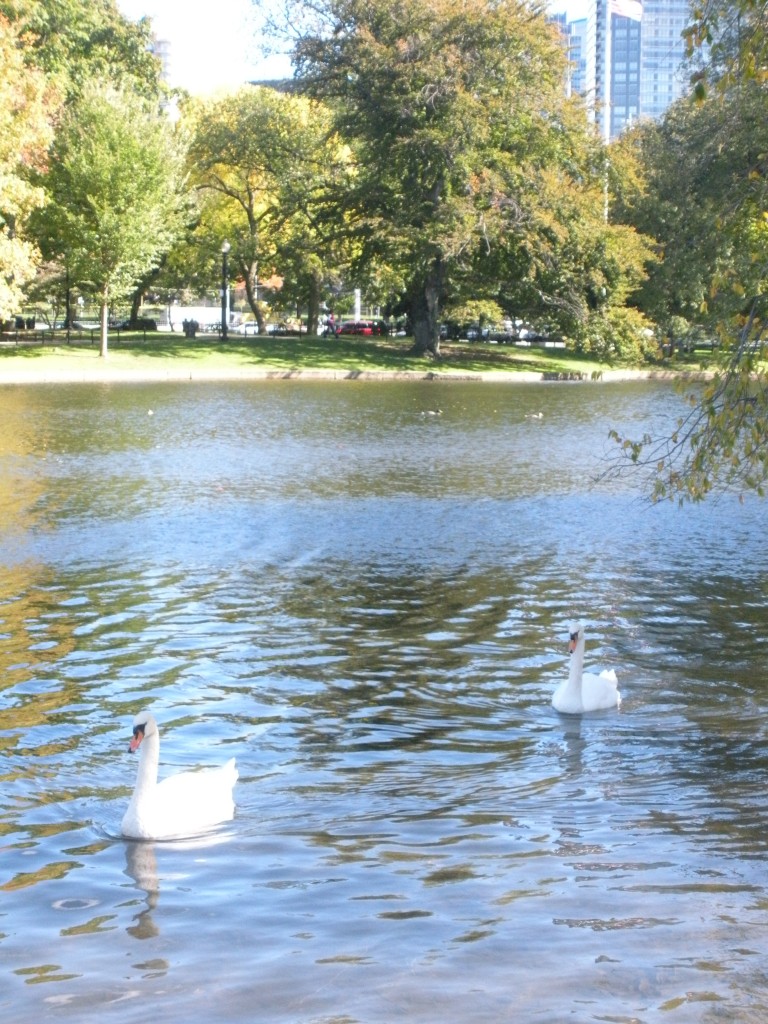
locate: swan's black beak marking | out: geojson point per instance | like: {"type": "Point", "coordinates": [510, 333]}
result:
{"type": "Point", "coordinates": [572, 642]}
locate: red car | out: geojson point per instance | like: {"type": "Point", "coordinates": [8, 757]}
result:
{"type": "Point", "coordinates": [364, 327]}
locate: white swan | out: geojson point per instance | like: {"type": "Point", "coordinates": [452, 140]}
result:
{"type": "Point", "coordinates": [182, 805]}
{"type": "Point", "coordinates": [584, 691]}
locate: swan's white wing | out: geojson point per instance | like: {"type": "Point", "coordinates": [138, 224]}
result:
{"type": "Point", "coordinates": [185, 785]}
{"type": "Point", "coordinates": [599, 692]}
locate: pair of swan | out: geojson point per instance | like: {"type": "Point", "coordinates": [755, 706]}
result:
{"type": "Point", "coordinates": [189, 803]}
{"type": "Point", "coordinates": [181, 805]}
{"type": "Point", "coordinates": [584, 691]}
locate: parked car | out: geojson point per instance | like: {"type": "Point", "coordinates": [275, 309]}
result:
{"type": "Point", "coordinates": [354, 327]}
{"type": "Point", "coordinates": [365, 327]}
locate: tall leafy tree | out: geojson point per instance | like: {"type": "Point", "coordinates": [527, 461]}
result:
{"type": "Point", "coordinates": [452, 107]}
{"type": "Point", "coordinates": [70, 43]}
{"type": "Point", "coordinates": [74, 41]}
{"type": "Point", "coordinates": [707, 204]}
{"type": "Point", "coordinates": [116, 193]}
{"type": "Point", "coordinates": [265, 164]}
{"type": "Point", "coordinates": [26, 105]}
{"type": "Point", "coordinates": [555, 260]}
{"type": "Point", "coordinates": [701, 202]}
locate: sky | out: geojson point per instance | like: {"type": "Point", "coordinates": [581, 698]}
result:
{"type": "Point", "coordinates": [574, 8]}
{"type": "Point", "coordinates": [218, 44]}
{"type": "Point", "coordinates": [214, 43]}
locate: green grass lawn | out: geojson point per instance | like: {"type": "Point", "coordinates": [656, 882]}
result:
{"type": "Point", "coordinates": [161, 350]}
{"type": "Point", "coordinates": [306, 353]}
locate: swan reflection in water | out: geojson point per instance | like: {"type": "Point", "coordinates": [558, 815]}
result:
{"type": "Point", "coordinates": [141, 866]}
{"type": "Point", "coordinates": [574, 746]}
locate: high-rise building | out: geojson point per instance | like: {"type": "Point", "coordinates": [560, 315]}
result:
{"type": "Point", "coordinates": [162, 50]}
{"type": "Point", "coordinates": [632, 54]}
{"type": "Point", "coordinates": [575, 33]}
{"type": "Point", "coordinates": [662, 51]}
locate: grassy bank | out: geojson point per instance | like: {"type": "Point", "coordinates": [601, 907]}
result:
{"type": "Point", "coordinates": [153, 356]}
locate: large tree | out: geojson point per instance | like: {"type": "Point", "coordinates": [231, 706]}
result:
{"type": "Point", "coordinates": [553, 259]}
{"type": "Point", "coordinates": [708, 205]}
{"type": "Point", "coordinates": [267, 165]}
{"type": "Point", "coordinates": [74, 41]}
{"type": "Point", "coordinates": [25, 131]}
{"type": "Point", "coordinates": [116, 194]}
{"type": "Point", "coordinates": [60, 47]}
{"type": "Point", "coordinates": [452, 107]}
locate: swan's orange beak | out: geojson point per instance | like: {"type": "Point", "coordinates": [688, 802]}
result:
{"type": "Point", "coordinates": [572, 642]}
{"type": "Point", "coordinates": [138, 736]}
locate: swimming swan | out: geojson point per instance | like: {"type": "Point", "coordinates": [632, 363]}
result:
{"type": "Point", "coordinates": [584, 691]}
{"type": "Point", "coordinates": [182, 805]}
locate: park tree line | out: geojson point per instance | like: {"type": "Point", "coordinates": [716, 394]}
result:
{"type": "Point", "coordinates": [426, 153]}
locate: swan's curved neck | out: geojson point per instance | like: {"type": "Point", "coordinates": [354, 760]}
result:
{"type": "Point", "coordinates": [577, 667]}
{"type": "Point", "coordinates": [149, 757]}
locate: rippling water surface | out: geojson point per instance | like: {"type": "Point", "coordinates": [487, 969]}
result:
{"type": "Point", "coordinates": [365, 602]}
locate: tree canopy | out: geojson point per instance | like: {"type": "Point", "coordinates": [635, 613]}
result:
{"type": "Point", "coordinates": [456, 113]}
{"type": "Point", "coordinates": [707, 205]}
{"type": "Point", "coordinates": [434, 161]}
{"type": "Point", "coordinates": [25, 131]}
{"type": "Point", "coordinates": [51, 52]}
{"type": "Point", "coordinates": [267, 167]}
{"type": "Point", "coordinates": [115, 191]}
{"type": "Point", "coordinates": [74, 41]}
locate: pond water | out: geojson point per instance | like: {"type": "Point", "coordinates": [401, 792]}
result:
{"type": "Point", "coordinates": [365, 600]}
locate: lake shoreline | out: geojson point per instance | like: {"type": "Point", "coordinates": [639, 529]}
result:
{"type": "Point", "coordinates": [108, 372]}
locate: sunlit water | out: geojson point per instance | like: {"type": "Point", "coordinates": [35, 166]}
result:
{"type": "Point", "coordinates": [366, 603]}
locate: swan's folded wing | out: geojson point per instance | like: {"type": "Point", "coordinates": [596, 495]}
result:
{"type": "Point", "coordinates": [192, 801]}
{"type": "Point", "coordinates": [188, 785]}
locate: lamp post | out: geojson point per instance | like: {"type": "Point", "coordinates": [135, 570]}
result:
{"type": "Point", "coordinates": [225, 247]}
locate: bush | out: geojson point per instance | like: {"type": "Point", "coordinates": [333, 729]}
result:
{"type": "Point", "coordinates": [619, 334]}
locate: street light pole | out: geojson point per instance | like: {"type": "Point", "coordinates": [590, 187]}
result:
{"type": "Point", "coordinates": [225, 247]}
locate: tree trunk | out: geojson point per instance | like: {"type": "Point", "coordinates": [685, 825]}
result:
{"type": "Point", "coordinates": [103, 351]}
{"type": "Point", "coordinates": [68, 304]}
{"type": "Point", "coordinates": [313, 303]}
{"type": "Point", "coordinates": [136, 300]}
{"type": "Point", "coordinates": [250, 273]}
{"type": "Point", "coordinates": [425, 312]}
